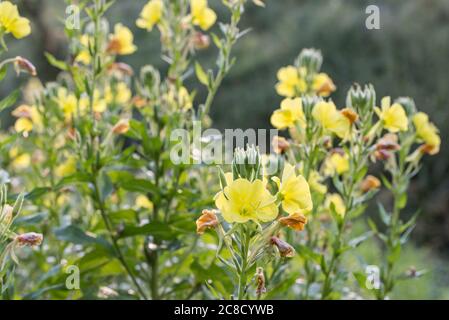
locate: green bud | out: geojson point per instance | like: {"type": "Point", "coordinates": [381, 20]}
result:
{"type": "Point", "coordinates": [311, 59]}
{"type": "Point", "coordinates": [247, 163]}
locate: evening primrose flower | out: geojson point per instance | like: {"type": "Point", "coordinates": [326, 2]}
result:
{"type": "Point", "coordinates": [323, 85]}
{"type": "Point", "coordinates": [19, 161]}
{"type": "Point", "coordinates": [296, 221]}
{"type": "Point", "coordinates": [99, 104]}
{"type": "Point", "coordinates": [315, 184]}
{"type": "Point", "coordinates": [67, 102]}
{"type": "Point", "coordinates": [393, 117]}
{"type": "Point", "coordinates": [202, 15]}
{"type": "Point", "coordinates": [291, 81]}
{"type": "Point", "coordinates": [369, 183]}
{"type": "Point", "coordinates": [290, 113]}
{"type": "Point", "coordinates": [67, 168]}
{"type": "Point", "coordinates": [337, 202]}
{"type": "Point", "coordinates": [294, 191]}
{"type": "Point", "coordinates": [121, 42]}
{"type": "Point", "coordinates": [331, 119]}
{"type": "Point", "coordinates": [28, 119]}
{"type": "Point", "coordinates": [142, 202]}
{"type": "Point", "coordinates": [151, 15]}
{"type": "Point", "coordinates": [242, 200]}
{"type": "Point", "coordinates": [336, 163]}
{"type": "Point", "coordinates": [119, 94]}
{"type": "Point", "coordinates": [12, 22]}
{"type": "Point", "coordinates": [208, 220]}
{"type": "Point", "coordinates": [23, 125]}
{"type": "Point", "coordinates": [427, 132]}
{"type": "Point", "coordinates": [84, 55]}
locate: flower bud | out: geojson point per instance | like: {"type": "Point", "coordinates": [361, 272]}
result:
{"type": "Point", "coordinates": [22, 64]}
{"type": "Point", "coordinates": [311, 59]}
{"type": "Point", "coordinates": [260, 282]}
{"type": "Point", "coordinates": [296, 221]}
{"type": "Point", "coordinates": [350, 114]}
{"type": "Point", "coordinates": [361, 100]}
{"type": "Point", "coordinates": [285, 250]}
{"type": "Point", "coordinates": [429, 149]}
{"type": "Point", "coordinates": [247, 164]}
{"type": "Point", "coordinates": [370, 183]}
{"type": "Point", "coordinates": [30, 239]}
{"type": "Point", "coordinates": [121, 127]}
{"type": "Point", "coordinates": [200, 41]}
{"type": "Point", "coordinates": [121, 68]}
{"type": "Point", "coordinates": [280, 144]}
{"type": "Point", "coordinates": [22, 111]}
{"type": "Point", "coordinates": [6, 214]}
{"type": "Point", "coordinates": [139, 102]}
{"type": "Point", "coordinates": [388, 142]}
{"type": "Point", "coordinates": [208, 220]}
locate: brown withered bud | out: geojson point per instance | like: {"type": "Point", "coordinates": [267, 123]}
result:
{"type": "Point", "coordinates": [382, 155]}
{"type": "Point", "coordinates": [412, 272]}
{"type": "Point", "coordinates": [114, 46]}
{"type": "Point", "coordinates": [350, 114]}
{"type": "Point", "coordinates": [22, 111]}
{"type": "Point", "coordinates": [339, 151]}
{"type": "Point", "coordinates": [280, 144]}
{"type": "Point", "coordinates": [327, 142]}
{"type": "Point", "coordinates": [200, 41]}
{"type": "Point", "coordinates": [429, 149]}
{"type": "Point", "coordinates": [285, 250]}
{"type": "Point", "coordinates": [296, 221]}
{"type": "Point", "coordinates": [208, 220]}
{"type": "Point", "coordinates": [25, 65]}
{"type": "Point", "coordinates": [369, 183]}
{"type": "Point", "coordinates": [139, 102]}
{"type": "Point", "coordinates": [388, 142]}
{"type": "Point", "coordinates": [71, 133]}
{"type": "Point", "coordinates": [121, 68]}
{"type": "Point", "coordinates": [30, 239]}
{"type": "Point", "coordinates": [121, 127]}
{"type": "Point", "coordinates": [260, 282]}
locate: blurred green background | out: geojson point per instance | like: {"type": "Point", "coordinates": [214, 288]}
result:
{"type": "Point", "coordinates": [408, 56]}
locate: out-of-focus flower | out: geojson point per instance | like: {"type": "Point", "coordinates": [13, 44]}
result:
{"type": "Point", "coordinates": [121, 42]}
{"type": "Point", "coordinates": [385, 146]}
{"type": "Point", "coordinates": [242, 200]}
{"type": "Point", "coordinates": [393, 117]}
{"type": "Point", "coordinates": [23, 125]}
{"type": "Point", "coordinates": [19, 160]}
{"type": "Point", "coordinates": [84, 55]}
{"type": "Point", "coordinates": [291, 81]}
{"type": "Point", "coordinates": [294, 191]}
{"type": "Point", "coordinates": [289, 114]}
{"type": "Point", "coordinates": [285, 250]}
{"type": "Point", "coordinates": [67, 102]}
{"type": "Point", "coordinates": [331, 119]}
{"type": "Point", "coordinates": [336, 163]}
{"type": "Point", "coordinates": [200, 41]}
{"type": "Point", "coordinates": [107, 293]}
{"type": "Point", "coordinates": [142, 202]}
{"type": "Point", "coordinates": [99, 104]}
{"type": "Point", "coordinates": [120, 93]}
{"type": "Point", "coordinates": [151, 15]}
{"type": "Point", "coordinates": [121, 127]}
{"type": "Point", "coordinates": [280, 144]}
{"type": "Point", "coordinates": [121, 69]}
{"type": "Point", "coordinates": [323, 85]}
{"type": "Point", "coordinates": [12, 22]}
{"type": "Point", "coordinates": [369, 183]}
{"type": "Point", "coordinates": [337, 202]}
{"type": "Point", "coordinates": [315, 184]}
{"type": "Point", "coordinates": [202, 15]}
{"type": "Point", "coordinates": [208, 220]}
{"type": "Point", "coordinates": [25, 65]}
{"type": "Point", "coordinates": [67, 168]}
{"type": "Point", "coordinates": [427, 132]}
{"type": "Point", "coordinates": [28, 118]}
{"type": "Point", "coordinates": [296, 221]}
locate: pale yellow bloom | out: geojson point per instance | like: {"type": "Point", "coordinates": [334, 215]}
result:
{"type": "Point", "coordinates": [289, 114]}
{"type": "Point", "coordinates": [121, 42]}
{"type": "Point", "coordinates": [427, 132]}
{"type": "Point", "coordinates": [337, 202]}
{"type": "Point", "coordinates": [67, 102]}
{"type": "Point", "coordinates": [151, 15]}
{"type": "Point", "coordinates": [315, 184]}
{"type": "Point", "coordinates": [19, 161]}
{"type": "Point", "coordinates": [67, 168]}
{"type": "Point", "coordinates": [393, 117]}
{"type": "Point", "coordinates": [336, 164]}
{"type": "Point", "coordinates": [331, 119]}
{"type": "Point", "coordinates": [23, 125]}
{"type": "Point", "coordinates": [12, 22]}
{"type": "Point", "coordinates": [294, 191]}
{"type": "Point", "coordinates": [119, 94]}
{"type": "Point", "coordinates": [323, 85]}
{"type": "Point", "coordinates": [84, 55]}
{"type": "Point", "coordinates": [242, 200]}
{"type": "Point", "coordinates": [202, 15]}
{"type": "Point", "coordinates": [143, 202]}
{"type": "Point", "coordinates": [291, 82]}
{"type": "Point", "coordinates": [99, 104]}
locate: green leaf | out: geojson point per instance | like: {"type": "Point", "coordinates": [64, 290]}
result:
{"type": "Point", "coordinates": [55, 62]}
{"type": "Point", "coordinates": [3, 72]}
{"type": "Point", "coordinates": [384, 216]}
{"type": "Point", "coordinates": [37, 193]}
{"type": "Point", "coordinates": [201, 74]}
{"type": "Point", "coordinates": [75, 235]}
{"type": "Point", "coordinates": [9, 100]}
{"type": "Point", "coordinates": [394, 254]}
{"type": "Point", "coordinates": [159, 230]}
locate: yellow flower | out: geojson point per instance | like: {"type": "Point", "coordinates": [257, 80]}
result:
{"type": "Point", "coordinates": [19, 161]}
{"type": "Point", "coordinates": [242, 200]}
{"type": "Point", "coordinates": [151, 15]}
{"type": "Point", "coordinates": [393, 116]}
{"type": "Point", "coordinates": [84, 55]}
{"type": "Point", "coordinates": [12, 22]}
{"type": "Point", "coordinates": [323, 85]}
{"type": "Point", "coordinates": [143, 202]}
{"type": "Point", "coordinates": [121, 42]}
{"type": "Point", "coordinates": [202, 15]}
{"type": "Point", "coordinates": [67, 168]}
{"type": "Point", "coordinates": [23, 125]}
{"type": "Point", "coordinates": [336, 200]}
{"type": "Point", "coordinates": [180, 99]}
{"type": "Point", "coordinates": [426, 131]}
{"type": "Point", "coordinates": [331, 119]}
{"type": "Point", "coordinates": [315, 182]}
{"type": "Point", "coordinates": [99, 104]}
{"type": "Point", "coordinates": [336, 164]}
{"type": "Point", "coordinates": [289, 114]}
{"type": "Point", "coordinates": [67, 102]}
{"type": "Point", "coordinates": [119, 94]}
{"type": "Point", "coordinates": [290, 83]}
{"type": "Point", "coordinates": [294, 191]}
